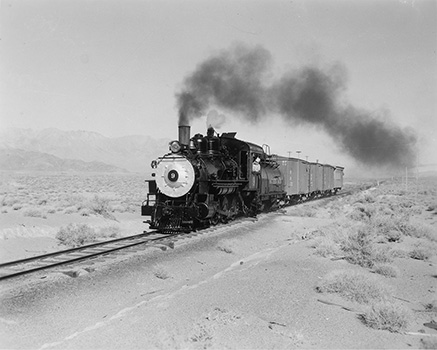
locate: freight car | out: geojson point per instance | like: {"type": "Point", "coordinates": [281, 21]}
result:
{"type": "Point", "coordinates": [208, 179]}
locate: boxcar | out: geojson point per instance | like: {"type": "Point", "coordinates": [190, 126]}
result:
{"type": "Point", "coordinates": [316, 179]}
{"type": "Point", "coordinates": [295, 173]}
{"type": "Point", "coordinates": [328, 178]}
{"type": "Point", "coordinates": [338, 178]}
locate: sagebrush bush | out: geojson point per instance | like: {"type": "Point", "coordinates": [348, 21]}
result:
{"type": "Point", "coordinates": [70, 210]}
{"type": "Point", "coordinates": [358, 248]}
{"type": "Point", "coordinates": [388, 316]}
{"type": "Point", "coordinates": [421, 253]}
{"type": "Point", "coordinates": [354, 286]}
{"type": "Point", "coordinates": [35, 213]}
{"type": "Point", "coordinates": [17, 206]}
{"type": "Point", "coordinates": [362, 212]}
{"type": "Point", "coordinates": [386, 270]}
{"type": "Point", "coordinates": [325, 247]}
{"type": "Point", "coordinates": [161, 273]}
{"type": "Point", "coordinates": [109, 231]}
{"type": "Point", "coordinates": [76, 235]}
{"type": "Point", "coordinates": [100, 206]}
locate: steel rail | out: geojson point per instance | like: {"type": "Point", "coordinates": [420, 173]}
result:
{"type": "Point", "coordinates": [66, 251]}
{"type": "Point", "coordinates": [143, 239]}
{"type": "Point", "coordinates": [40, 258]}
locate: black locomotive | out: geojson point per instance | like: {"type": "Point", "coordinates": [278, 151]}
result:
{"type": "Point", "coordinates": [214, 178]}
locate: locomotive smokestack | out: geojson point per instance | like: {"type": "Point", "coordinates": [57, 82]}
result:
{"type": "Point", "coordinates": [184, 134]}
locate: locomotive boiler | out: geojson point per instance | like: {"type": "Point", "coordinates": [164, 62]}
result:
{"type": "Point", "coordinates": [207, 179]}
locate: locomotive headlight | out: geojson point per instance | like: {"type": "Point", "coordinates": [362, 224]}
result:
{"type": "Point", "coordinates": [175, 146]}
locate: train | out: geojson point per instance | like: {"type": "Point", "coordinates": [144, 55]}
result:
{"type": "Point", "coordinates": [212, 178]}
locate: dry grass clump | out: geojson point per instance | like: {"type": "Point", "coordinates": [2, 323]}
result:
{"type": "Point", "coordinates": [325, 247]}
{"type": "Point", "coordinates": [386, 315]}
{"type": "Point", "coordinates": [17, 206]}
{"type": "Point", "coordinates": [381, 313]}
{"type": "Point", "coordinates": [421, 253]}
{"type": "Point", "coordinates": [35, 213]}
{"type": "Point", "coordinates": [359, 248]}
{"type": "Point", "coordinates": [354, 286]}
{"type": "Point", "coordinates": [76, 235]}
{"type": "Point", "coordinates": [161, 273]}
{"type": "Point", "coordinates": [111, 231]}
{"type": "Point", "coordinates": [431, 306]}
{"type": "Point", "coordinates": [362, 212]}
{"type": "Point", "coordinates": [100, 206]}
{"type": "Point", "coordinates": [386, 270]}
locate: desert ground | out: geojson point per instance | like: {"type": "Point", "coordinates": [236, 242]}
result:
{"type": "Point", "coordinates": [348, 271]}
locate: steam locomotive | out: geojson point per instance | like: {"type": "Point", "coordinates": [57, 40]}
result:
{"type": "Point", "coordinates": [214, 178]}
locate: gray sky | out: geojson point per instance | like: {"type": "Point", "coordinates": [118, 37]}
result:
{"type": "Point", "coordinates": [114, 66]}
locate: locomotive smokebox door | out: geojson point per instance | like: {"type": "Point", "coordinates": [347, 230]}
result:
{"type": "Point", "coordinates": [175, 176]}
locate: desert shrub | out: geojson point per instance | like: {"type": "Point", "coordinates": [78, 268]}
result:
{"type": "Point", "coordinates": [42, 201]}
{"type": "Point", "coordinates": [75, 200]}
{"type": "Point", "coordinates": [76, 235]}
{"type": "Point", "coordinates": [71, 210]}
{"type": "Point", "coordinates": [85, 212]}
{"type": "Point", "coordinates": [354, 286]}
{"type": "Point", "coordinates": [119, 208]}
{"type": "Point", "coordinates": [10, 201]}
{"type": "Point", "coordinates": [51, 210]}
{"type": "Point", "coordinates": [161, 273]}
{"type": "Point", "coordinates": [388, 316]}
{"type": "Point", "coordinates": [358, 247]}
{"type": "Point", "coordinates": [420, 230]}
{"type": "Point", "coordinates": [386, 270]}
{"type": "Point", "coordinates": [381, 254]}
{"type": "Point", "coordinates": [32, 212]}
{"type": "Point", "coordinates": [432, 206]}
{"type": "Point", "coordinates": [362, 212]}
{"type": "Point", "coordinates": [325, 247]}
{"type": "Point", "coordinates": [421, 253]}
{"type": "Point", "coordinates": [100, 206]}
{"type": "Point", "coordinates": [400, 253]}
{"type": "Point", "coordinates": [431, 306]}
{"type": "Point", "coordinates": [111, 231]}
{"type": "Point", "coordinates": [17, 206]}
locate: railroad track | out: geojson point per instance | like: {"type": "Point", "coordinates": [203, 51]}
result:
{"type": "Point", "coordinates": [64, 257]}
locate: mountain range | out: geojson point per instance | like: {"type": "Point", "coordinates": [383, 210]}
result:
{"type": "Point", "coordinates": [54, 149]}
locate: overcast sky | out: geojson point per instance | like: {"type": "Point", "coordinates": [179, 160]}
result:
{"type": "Point", "coordinates": [114, 66]}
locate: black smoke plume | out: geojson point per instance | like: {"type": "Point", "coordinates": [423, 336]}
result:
{"type": "Point", "coordinates": [239, 80]}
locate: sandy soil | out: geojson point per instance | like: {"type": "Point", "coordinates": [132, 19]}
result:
{"type": "Point", "coordinates": [22, 237]}
{"type": "Point", "coordinates": [251, 285]}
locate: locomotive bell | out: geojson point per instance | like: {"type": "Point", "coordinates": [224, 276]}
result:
{"type": "Point", "coordinates": [184, 135]}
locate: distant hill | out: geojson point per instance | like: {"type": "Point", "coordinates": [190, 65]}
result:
{"type": "Point", "coordinates": [20, 160]}
{"type": "Point", "coordinates": [133, 153]}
